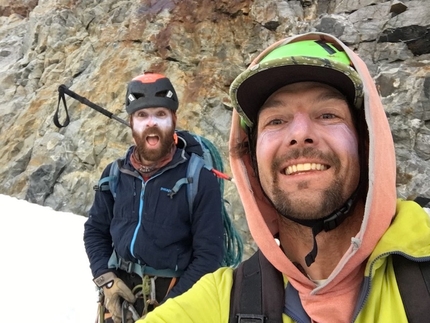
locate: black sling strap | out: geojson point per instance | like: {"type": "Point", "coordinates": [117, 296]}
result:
{"type": "Point", "coordinates": [413, 280]}
{"type": "Point", "coordinates": [257, 294]}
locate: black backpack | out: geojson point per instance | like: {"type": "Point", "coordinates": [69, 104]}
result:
{"type": "Point", "coordinates": [257, 295]}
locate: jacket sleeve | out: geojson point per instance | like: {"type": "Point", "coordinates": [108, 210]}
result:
{"type": "Point", "coordinates": [207, 301]}
{"type": "Point", "coordinates": [97, 238]}
{"type": "Point", "coordinates": [207, 231]}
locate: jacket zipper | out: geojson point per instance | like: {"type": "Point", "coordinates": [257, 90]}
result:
{"type": "Point", "coordinates": [141, 203]}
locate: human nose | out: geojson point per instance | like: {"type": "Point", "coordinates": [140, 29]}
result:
{"type": "Point", "coordinates": [302, 131]}
{"type": "Point", "coordinates": [152, 122]}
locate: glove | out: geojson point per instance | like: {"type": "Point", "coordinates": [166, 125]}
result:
{"type": "Point", "coordinates": [114, 290]}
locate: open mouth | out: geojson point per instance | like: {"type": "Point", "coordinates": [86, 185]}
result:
{"type": "Point", "coordinates": [152, 140]}
{"type": "Point", "coordinates": [305, 167]}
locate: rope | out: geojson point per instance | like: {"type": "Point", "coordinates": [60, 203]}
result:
{"type": "Point", "coordinates": [233, 244]}
{"type": "Point", "coordinates": [143, 289]}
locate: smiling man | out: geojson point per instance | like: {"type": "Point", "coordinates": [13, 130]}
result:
{"type": "Point", "coordinates": [308, 163]}
{"type": "Point", "coordinates": [143, 244]}
{"type": "Point", "coordinates": [313, 158]}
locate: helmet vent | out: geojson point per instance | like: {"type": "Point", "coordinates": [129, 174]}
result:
{"type": "Point", "coordinates": [131, 97]}
{"type": "Point", "coordinates": [164, 94]}
{"type": "Point", "coordinates": [326, 46]}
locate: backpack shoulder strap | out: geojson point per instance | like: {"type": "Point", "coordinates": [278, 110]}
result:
{"type": "Point", "coordinates": [191, 179]}
{"type": "Point", "coordinates": [257, 294]}
{"type": "Point", "coordinates": [195, 165]}
{"type": "Point", "coordinates": [413, 280]}
{"type": "Point", "coordinates": [423, 201]}
{"type": "Point", "coordinates": [110, 182]}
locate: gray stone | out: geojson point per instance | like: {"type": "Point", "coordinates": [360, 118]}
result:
{"type": "Point", "coordinates": [96, 47]}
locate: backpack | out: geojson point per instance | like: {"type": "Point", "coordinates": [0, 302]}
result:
{"type": "Point", "coordinates": [203, 154]}
{"type": "Point", "coordinates": [257, 294]}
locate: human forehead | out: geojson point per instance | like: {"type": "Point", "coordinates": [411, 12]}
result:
{"type": "Point", "coordinates": [308, 90]}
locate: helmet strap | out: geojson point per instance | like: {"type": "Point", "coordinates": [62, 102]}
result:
{"type": "Point", "coordinates": [328, 223]}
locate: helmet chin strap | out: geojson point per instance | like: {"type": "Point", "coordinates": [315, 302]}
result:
{"type": "Point", "coordinates": [328, 223]}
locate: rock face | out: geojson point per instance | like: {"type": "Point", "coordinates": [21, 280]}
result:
{"type": "Point", "coordinates": [96, 47]}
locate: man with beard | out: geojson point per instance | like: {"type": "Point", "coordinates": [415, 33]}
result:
{"type": "Point", "coordinates": [313, 158]}
{"type": "Point", "coordinates": [144, 246]}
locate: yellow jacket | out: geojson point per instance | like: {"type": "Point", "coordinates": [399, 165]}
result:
{"type": "Point", "coordinates": [208, 301]}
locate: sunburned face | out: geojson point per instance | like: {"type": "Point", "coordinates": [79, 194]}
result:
{"type": "Point", "coordinates": [307, 150]}
{"type": "Point", "coordinates": [153, 130]}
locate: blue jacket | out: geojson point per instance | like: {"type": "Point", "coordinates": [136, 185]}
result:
{"type": "Point", "coordinates": [146, 226]}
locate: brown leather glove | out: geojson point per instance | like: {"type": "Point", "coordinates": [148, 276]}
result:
{"type": "Point", "coordinates": [114, 290]}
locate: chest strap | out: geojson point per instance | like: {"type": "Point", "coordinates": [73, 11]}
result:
{"type": "Point", "coordinates": [115, 261]}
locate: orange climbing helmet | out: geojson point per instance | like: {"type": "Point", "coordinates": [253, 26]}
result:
{"type": "Point", "coordinates": [150, 90]}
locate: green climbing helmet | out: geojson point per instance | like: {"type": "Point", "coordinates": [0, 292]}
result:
{"type": "Point", "coordinates": [300, 61]}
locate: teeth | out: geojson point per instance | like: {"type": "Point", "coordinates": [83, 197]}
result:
{"type": "Point", "coordinates": [304, 167]}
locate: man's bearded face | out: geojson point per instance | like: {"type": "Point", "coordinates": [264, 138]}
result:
{"type": "Point", "coordinates": [153, 130]}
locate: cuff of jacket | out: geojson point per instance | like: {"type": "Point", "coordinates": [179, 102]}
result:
{"type": "Point", "coordinates": [104, 279]}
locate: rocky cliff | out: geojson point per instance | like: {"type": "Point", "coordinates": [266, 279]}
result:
{"type": "Point", "coordinates": [96, 47]}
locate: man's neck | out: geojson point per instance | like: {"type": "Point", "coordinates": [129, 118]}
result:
{"type": "Point", "coordinates": [149, 168]}
{"type": "Point", "coordinates": [297, 241]}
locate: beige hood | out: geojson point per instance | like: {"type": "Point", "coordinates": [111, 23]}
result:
{"type": "Point", "coordinates": [342, 285]}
